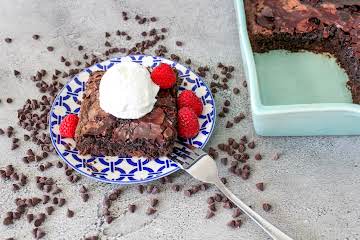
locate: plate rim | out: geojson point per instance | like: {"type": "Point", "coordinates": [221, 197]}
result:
{"type": "Point", "coordinates": [133, 181]}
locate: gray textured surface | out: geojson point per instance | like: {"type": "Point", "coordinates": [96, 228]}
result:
{"type": "Point", "coordinates": [313, 187]}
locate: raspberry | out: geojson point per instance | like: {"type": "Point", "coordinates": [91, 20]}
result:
{"type": "Point", "coordinates": [188, 124]}
{"type": "Point", "coordinates": [164, 76]}
{"type": "Point", "coordinates": [68, 126]}
{"type": "Point", "coordinates": [188, 99]}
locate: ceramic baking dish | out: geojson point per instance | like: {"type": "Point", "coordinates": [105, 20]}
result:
{"type": "Point", "coordinates": [322, 115]}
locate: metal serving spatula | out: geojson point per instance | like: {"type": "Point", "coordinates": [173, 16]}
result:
{"type": "Point", "coordinates": [202, 167]}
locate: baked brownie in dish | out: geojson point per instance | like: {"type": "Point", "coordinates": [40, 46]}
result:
{"type": "Point", "coordinates": [331, 26]}
{"type": "Point", "coordinates": [100, 133]}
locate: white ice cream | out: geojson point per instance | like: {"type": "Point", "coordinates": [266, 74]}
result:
{"type": "Point", "coordinates": [127, 91]}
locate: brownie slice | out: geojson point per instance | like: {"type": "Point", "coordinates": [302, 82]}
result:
{"type": "Point", "coordinates": [100, 133]}
{"type": "Point", "coordinates": [330, 26]}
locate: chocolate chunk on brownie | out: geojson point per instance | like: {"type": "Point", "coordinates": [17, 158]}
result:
{"type": "Point", "coordinates": [100, 133]}
{"type": "Point", "coordinates": [330, 26]}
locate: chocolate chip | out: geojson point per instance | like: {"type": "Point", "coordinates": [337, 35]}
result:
{"type": "Point", "coordinates": [229, 124]}
{"type": "Point", "coordinates": [225, 110]}
{"type": "Point", "coordinates": [188, 61]}
{"type": "Point", "coordinates": [70, 213]}
{"type": "Point", "coordinates": [175, 187]}
{"type": "Point", "coordinates": [2, 132]}
{"type": "Point", "coordinates": [107, 44]}
{"type": "Point", "coordinates": [236, 91]}
{"type": "Point", "coordinates": [46, 199]}
{"type": "Point", "coordinates": [188, 193]}
{"type": "Point", "coordinates": [153, 19]}
{"type": "Point", "coordinates": [128, 38]}
{"type": "Point", "coordinates": [209, 214]}
{"type": "Point", "coordinates": [9, 100]}
{"type": "Point", "coordinates": [7, 221]}
{"type": "Point", "coordinates": [164, 30]}
{"type": "Point", "coordinates": [83, 189]}
{"type": "Point", "coordinates": [179, 43]}
{"type": "Point", "coordinates": [236, 213]}
{"type": "Point", "coordinates": [77, 63]}
{"type": "Point", "coordinates": [150, 211]}
{"type": "Point", "coordinates": [49, 210]}
{"type": "Point", "coordinates": [244, 84]}
{"type": "Point", "coordinates": [30, 217]}
{"type": "Point", "coordinates": [140, 188]}
{"type": "Point", "coordinates": [154, 202]}
{"type": "Point", "coordinates": [16, 73]}
{"type": "Point", "coordinates": [212, 207]}
{"type": "Point", "coordinates": [14, 146]}
{"type": "Point", "coordinates": [232, 224]}
{"type": "Point", "coordinates": [221, 114]}
{"type": "Point", "coordinates": [8, 40]}
{"type": "Point", "coordinates": [40, 234]}
{"type": "Point", "coordinates": [260, 186]}
{"type": "Point", "coordinates": [62, 202]}
{"type": "Point", "coordinates": [38, 222]}
{"type": "Point", "coordinates": [67, 63]}
{"type": "Point", "coordinates": [258, 156]}
{"type": "Point", "coordinates": [227, 103]}
{"type": "Point", "coordinates": [210, 200]}
{"type": "Point", "coordinates": [251, 145]}
{"type": "Point", "coordinates": [85, 197]}
{"type": "Point", "coordinates": [223, 180]}
{"type": "Point", "coordinates": [267, 207]}
{"type": "Point", "coordinates": [131, 208]}
{"type": "Point", "coordinates": [50, 48]}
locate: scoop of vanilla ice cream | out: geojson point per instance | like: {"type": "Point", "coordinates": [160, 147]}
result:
{"type": "Point", "coordinates": [127, 91]}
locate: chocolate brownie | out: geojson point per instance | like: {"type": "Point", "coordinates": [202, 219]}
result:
{"type": "Point", "coordinates": [100, 133]}
{"type": "Point", "coordinates": [331, 26]}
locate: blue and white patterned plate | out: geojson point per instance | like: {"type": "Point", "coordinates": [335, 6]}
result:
{"type": "Point", "coordinates": [127, 170]}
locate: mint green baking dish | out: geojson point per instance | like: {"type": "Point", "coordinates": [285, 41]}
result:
{"type": "Point", "coordinates": [288, 95]}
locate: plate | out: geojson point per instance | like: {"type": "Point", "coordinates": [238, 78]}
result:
{"type": "Point", "coordinates": [126, 170]}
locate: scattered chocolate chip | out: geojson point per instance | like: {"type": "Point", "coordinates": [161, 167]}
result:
{"type": "Point", "coordinates": [260, 186]}
{"type": "Point", "coordinates": [188, 193]}
{"type": "Point", "coordinates": [150, 211]}
{"type": "Point", "coordinates": [236, 91]}
{"type": "Point", "coordinates": [132, 208]}
{"type": "Point", "coordinates": [175, 187]}
{"type": "Point", "coordinates": [179, 43]}
{"type": "Point", "coordinates": [188, 61]}
{"type": "Point", "coordinates": [266, 207]}
{"type": "Point", "coordinates": [8, 40]}
{"type": "Point", "coordinates": [251, 145]}
{"type": "Point", "coordinates": [49, 210]}
{"type": "Point", "coordinates": [50, 49]}
{"type": "Point", "coordinates": [8, 221]}
{"type": "Point", "coordinates": [244, 84]}
{"type": "Point", "coordinates": [85, 197]}
{"type": "Point", "coordinates": [209, 214]}
{"type": "Point", "coordinates": [210, 200]}
{"type": "Point", "coordinates": [153, 19]}
{"type": "Point", "coordinates": [154, 202]}
{"type": "Point", "coordinates": [258, 156]}
{"type": "Point", "coordinates": [221, 114]}
{"type": "Point", "coordinates": [229, 124]}
{"type": "Point", "coordinates": [30, 217]}
{"type": "Point", "coordinates": [223, 180]}
{"type": "Point", "coordinates": [70, 213]}
{"type": "Point", "coordinates": [62, 202]}
{"type": "Point", "coordinates": [212, 207]}
{"type": "Point", "coordinates": [236, 213]}
{"type": "Point", "coordinates": [9, 100]}
{"type": "Point", "coordinates": [163, 30]}
{"type": "Point", "coordinates": [227, 103]}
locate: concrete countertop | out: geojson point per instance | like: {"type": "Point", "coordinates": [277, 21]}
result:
{"type": "Point", "coordinates": [313, 188]}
